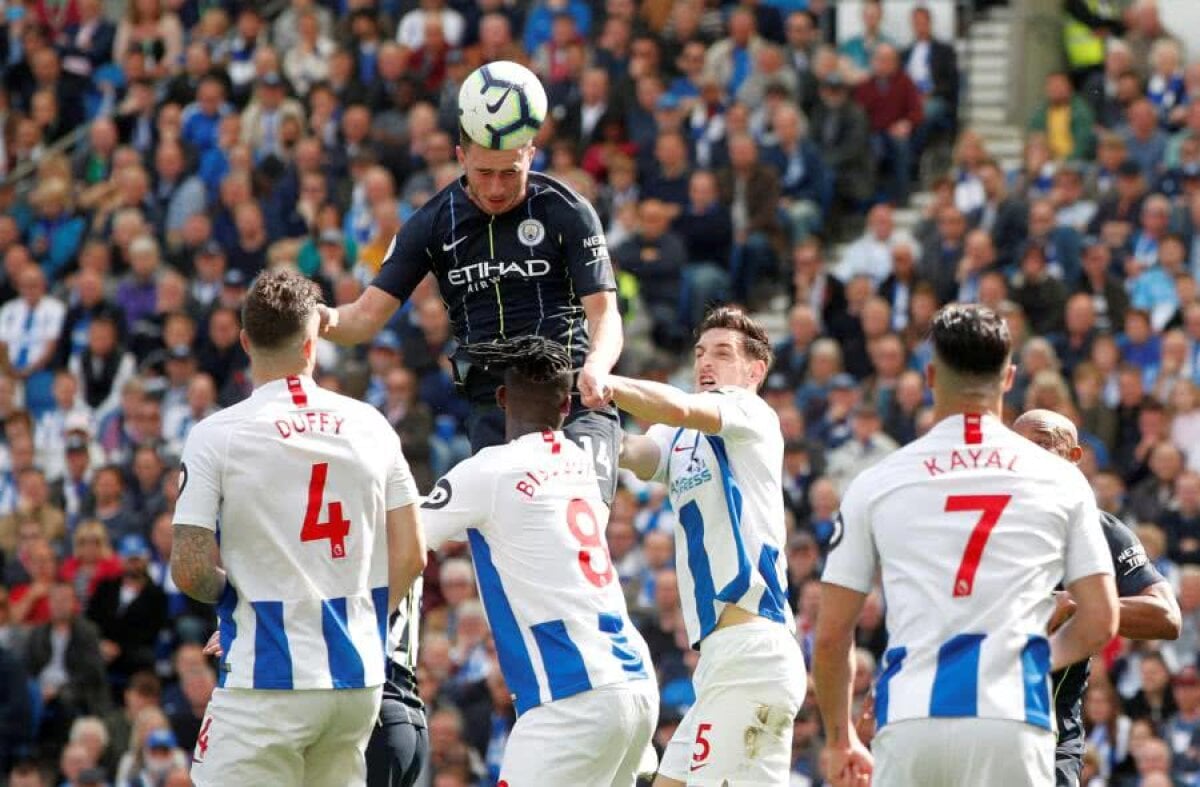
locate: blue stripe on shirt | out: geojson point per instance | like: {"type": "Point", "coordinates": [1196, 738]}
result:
{"type": "Point", "coordinates": [613, 625]}
{"type": "Point", "coordinates": [379, 597]}
{"type": "Point", "coordinates": [697, 559]}
{"type": "Point", "coordinates": [773, 602]}
{"type": "Point", "coordinates": [345, 662]}
{"type": "Point", "coordinates": [893, 660]}
{"type": "Point", "coordinates": [740, 583]}
{"type": "Point", "coordinates": [228, 628]}
{"type": "Point", "coordinates": [515, 663]}
{"type": "Point", "coordinates": [1035, 670]}
{"type": "Point", "coordinates": [566, 673]}
{"type": "Point", "coordinates": [956, 681]}
{"type": "Point", "coordinates": [272, 656]}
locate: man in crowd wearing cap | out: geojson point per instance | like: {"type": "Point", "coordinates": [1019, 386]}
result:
{"type": "Point", "coordinates": [130, 611]}
{"type": "Point", "coordinates": [208, 279]}
{"type": "Point", "coordinates": [867, 446]}
{"type": "Point", "coordinates": [72, 492]}
{"type": "Point", "coordinates": [263, 119]}
{"type": "Point", "coordinates": [1180, 730]}
{"type": "Point", "coordinates": [841, 130]}
{"type": "Point", "coordinates": [833, 428]}
{"type": "Point", "coordinates": [1148, 606]}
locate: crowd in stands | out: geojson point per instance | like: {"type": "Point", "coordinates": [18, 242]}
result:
{"type": "Point", "coordinates": [729, 147]}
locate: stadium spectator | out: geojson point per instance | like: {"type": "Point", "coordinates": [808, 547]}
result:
{"type": "Point", "coordinates": [894, 109]}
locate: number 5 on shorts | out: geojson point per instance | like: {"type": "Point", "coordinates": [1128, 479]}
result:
{"type": "Point", "coordinates": [703, 748]}
{"type": "Point", "coordinates": [991, 507]}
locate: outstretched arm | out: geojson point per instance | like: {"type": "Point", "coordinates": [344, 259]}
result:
{"type": "Point", "coordinates": [641, 455]}
{"type": "Point", "coordinates": [194, 563]}
{"type": "Point", "coordinates": [665, 404]}
{"type": "Point", "coordinates": [606, 339]}
{"type": "Point", "coordinates": [355, 323]}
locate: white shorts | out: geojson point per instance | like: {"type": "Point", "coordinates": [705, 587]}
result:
{"type": "Point", "coordinates": [596, 738]}
{"type": "Point", "coordinates": [316, 737]}
{"type": "Point", "coordinates": [750, 684]}
{"type": "Point", "coordinates": [959, 751]}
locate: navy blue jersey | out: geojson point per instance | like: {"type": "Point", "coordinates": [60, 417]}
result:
{"type": "Point", "coordinates": [518, 273]}
{"type": "Point", "coordinates": [1134, 573]}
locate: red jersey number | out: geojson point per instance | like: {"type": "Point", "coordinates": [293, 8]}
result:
{"type": "Point", "coordinates": [990, 507]}
{"type": "Point", "coordinates": [335, 527]}
{"type": "Point", "coordinates": [594, 560]}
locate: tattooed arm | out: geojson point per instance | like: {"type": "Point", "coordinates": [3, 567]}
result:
{"type": "Point", "coordinates": [194, 563]}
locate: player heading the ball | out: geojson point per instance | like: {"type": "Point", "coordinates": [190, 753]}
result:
{"type": "Point", "coordinates": [579, 672]}
{"type": "Point", "coordinates": [971, 527]}
{"type": "Point", "coordinates": [316, 512]}
{"type": "Point", "coordinates": [515, 253]}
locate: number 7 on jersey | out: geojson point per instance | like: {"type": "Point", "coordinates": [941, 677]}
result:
{"type": "Point", "coordinates": [990, 507]}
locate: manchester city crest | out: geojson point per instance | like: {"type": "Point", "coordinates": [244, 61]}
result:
{"type": "Point", "coordinates": [530, 232]}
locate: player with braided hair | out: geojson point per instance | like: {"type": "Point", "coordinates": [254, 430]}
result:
{"type": "Point", "coordinates": [579, 672]}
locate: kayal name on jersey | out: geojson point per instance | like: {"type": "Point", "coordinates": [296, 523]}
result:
{"type": "Point", "coordinates": [972, 459]}
{"type": "Point", "coordinates": [309, 421]}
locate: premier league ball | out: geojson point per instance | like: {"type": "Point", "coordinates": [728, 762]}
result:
{"type": "Point", "coordinates": [501, 105]}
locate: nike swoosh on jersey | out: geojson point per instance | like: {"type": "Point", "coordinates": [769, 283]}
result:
{"type": "Point", "coordinates": [499, 102]}
{"type": "Point", "coordinates": [694, 768]}
{"type": "Point", "coordinates": [449, 246]}
{"type": "Point", "coordinates": [681, 448]}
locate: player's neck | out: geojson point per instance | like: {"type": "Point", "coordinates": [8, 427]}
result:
{"type": "Point", "coordinates": [518, 428]}
{"type": "Point", "coordinates": [263, 373]}
{"type": "Point", "coordinates": [946, 406]}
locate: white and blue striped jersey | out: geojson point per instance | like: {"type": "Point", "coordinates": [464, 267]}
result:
{"type": "Point", "coordinates": [727, 493]}
{"type": "Point", "coordinates": [971, 528]}
{"type": "Point", "coordinates": [532, 512]}
{"type": "Point", "coordinates": [297, 481]}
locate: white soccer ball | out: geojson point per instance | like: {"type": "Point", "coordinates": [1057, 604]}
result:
{"type": "Point", "coordinates": [501, 105]}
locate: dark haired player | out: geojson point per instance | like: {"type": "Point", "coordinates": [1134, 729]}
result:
{"type": "Point", "coordinates": [317, 514]}
{"type": "Point", "coordinates": [1148, 606]}
{"type": "Point", "coordinates": [971, 528]}
{"type": "Point", "coordinates": [515, 254]}
{"type": "Point", "coordinates": [579, 672]}
{"type": "Point", "coordinates": [720, 453]}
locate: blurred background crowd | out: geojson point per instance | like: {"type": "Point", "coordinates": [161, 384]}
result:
{"type": "Point", "coordinates": [814, 164]}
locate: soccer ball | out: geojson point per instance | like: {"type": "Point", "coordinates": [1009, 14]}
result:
{"type": "Point", "coordinates": [501, 105]}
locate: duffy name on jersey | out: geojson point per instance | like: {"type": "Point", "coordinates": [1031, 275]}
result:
{"type": "Point", "coordinates": [309, 421]}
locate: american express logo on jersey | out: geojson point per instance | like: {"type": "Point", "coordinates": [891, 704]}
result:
{"type": "Point", "coordinates": [697, 473]}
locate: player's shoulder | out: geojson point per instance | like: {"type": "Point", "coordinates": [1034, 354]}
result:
{"type": "Point", "coordinates": [366, 417]}
{"type": "Point", "coordinates": [427, 217]}
{"type": "Point", "coordinates": [556, 194]}
{"type": "Point", "coordinates": [1119, 535]}
{"type": "Point", "coordinates": [215, 429]}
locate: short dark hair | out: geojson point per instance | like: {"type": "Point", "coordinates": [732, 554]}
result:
{"type": "Point", "coordinates": [755, 341]}
{"type": "Point", "coordinates": [971, 339]}
{"type": "Point", "coordinates": [277, 307]}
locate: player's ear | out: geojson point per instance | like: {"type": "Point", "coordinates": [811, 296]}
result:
{"type": "Point", "coordinates": [930, 376]}
{"type": "Point", "coordinates": [502, 397]}
{"type": "Point", "coordinates": [1009, 376]}
{"type": "Point", "coordinates": [245, 340]}
{"type": "Point", "coordinates": [1075, 454]}
{"type": "Point", "coordinates": [461, 155]}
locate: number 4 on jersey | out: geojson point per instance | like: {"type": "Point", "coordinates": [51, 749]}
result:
{"type": "Point", "coordinates": [991, 507]}
{"type": "Point", "coordinates": [336, 527]}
